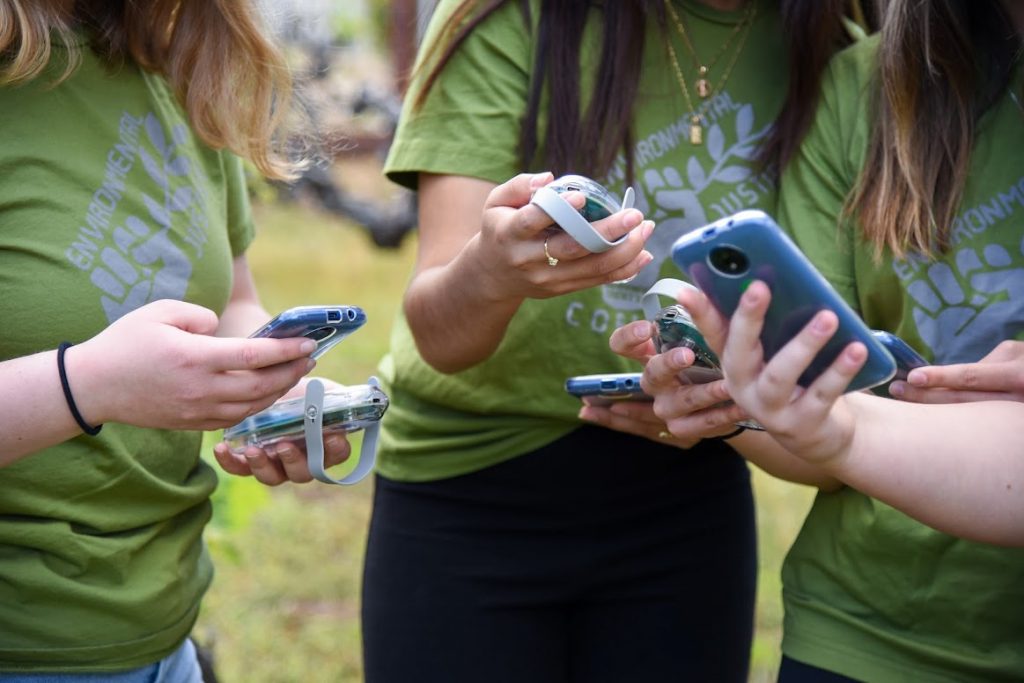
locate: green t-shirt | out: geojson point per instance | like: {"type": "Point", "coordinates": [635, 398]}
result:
{"type": "Point", "coordinates": [869, 592]}
{"type": "Point", "coordinates": [442, 425]}
{"type": "Point", "coordinates": [108, 201]}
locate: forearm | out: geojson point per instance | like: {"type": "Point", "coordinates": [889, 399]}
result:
{"type": "Point", "coordinates": [33, 412]}
{"type": "Point", "coordinates": [243, 314]}
{"type": "Point", "coordinates": [455, 321]}
{"type": "Point", "coordinates": [763, 451]}
{"type": "Point", "coordinates": [958, 468]}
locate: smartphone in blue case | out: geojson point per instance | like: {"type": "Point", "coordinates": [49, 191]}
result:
{"type": "Point", "coordinates": [326, 325]}
{"type": "Point", "coordinates": [607, 388]}
{"type": "Point", "coordinates": [905, 356]}
{"type": "Point", "coordinates": [723, 258]}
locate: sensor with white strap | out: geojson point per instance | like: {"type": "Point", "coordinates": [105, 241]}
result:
{"type": "Point", "coordinates": [569, 218]}
{"type": "Point", "coordinates": [313, 428]}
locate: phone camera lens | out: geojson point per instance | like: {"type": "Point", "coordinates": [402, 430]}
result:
{"type": "Point", "coordinates": [729, 260]}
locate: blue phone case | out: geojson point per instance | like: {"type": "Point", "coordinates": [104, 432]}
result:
{"type": "Point", "coordinates": [623, 386]}
{"type": "Point", "coordinates": [326, 325]}
{"type": "Point", "coordinates": [723, 258]}
{"type": "Point", "coordinates": [905, 356]}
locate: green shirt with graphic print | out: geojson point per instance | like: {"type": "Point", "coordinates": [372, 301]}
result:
{"type": "Point", "coordinates": [514, 402]}
{"type": "Point", "coordinates": [869, 592]}
{"type": "Point", "coordinates": [108, 202]}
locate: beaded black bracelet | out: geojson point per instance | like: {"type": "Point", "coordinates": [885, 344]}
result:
{"type": "Point", "coordinates": [91, 431]}
{"type": "Point", "coordinates": [739, 430]}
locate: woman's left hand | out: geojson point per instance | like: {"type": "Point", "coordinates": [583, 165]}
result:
{"type": "Point", "coordinates": [999, 376]}
{"type": "Point", "coordinates": [287, 460]}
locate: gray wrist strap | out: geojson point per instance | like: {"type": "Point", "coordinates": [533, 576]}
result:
{"type": "Point", "coordinates": [313, 427]}
{"type": "Point", "coordinates": [667, 287]}
{"type": "Point", "coordinates": [570, 220]}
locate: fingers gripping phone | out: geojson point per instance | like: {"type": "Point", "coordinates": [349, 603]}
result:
{"type": "Point", "coordinates": [603, 390]}
{"type": "Point", "coordinates": [723, 258]}
{"type": "Point", "coordinates": [326, 325]}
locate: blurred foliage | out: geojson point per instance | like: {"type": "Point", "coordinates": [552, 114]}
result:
{"type": "Point", "coordinates": [284, 605]}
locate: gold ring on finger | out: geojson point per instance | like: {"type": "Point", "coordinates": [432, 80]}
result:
{"type": "Point", "coordinates": [552, 261]}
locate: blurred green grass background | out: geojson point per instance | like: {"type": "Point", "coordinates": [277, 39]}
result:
{"type": "Point", "coordinates": [284, 605]}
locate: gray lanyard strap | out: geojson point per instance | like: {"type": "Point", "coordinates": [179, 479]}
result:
{"type": "Point", "coordinates": [313, 427]}
{"type": "Point", "coordinates": [570, 220]}
{"type": "Point", "coordinates": [667, 287]}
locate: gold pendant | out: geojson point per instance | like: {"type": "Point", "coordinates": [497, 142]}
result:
{"type": "Point", "coordinates": [696, 132]}
{"type": "Point", "coordinates": [703, 88]}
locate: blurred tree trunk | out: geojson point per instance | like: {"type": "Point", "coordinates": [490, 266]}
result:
{"type": "Point", "coordinates": [408, 22]}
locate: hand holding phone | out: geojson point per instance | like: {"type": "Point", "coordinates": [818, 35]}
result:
{"type": "Point", "coordinates": [326, 325]}
{"type": "Point", "coordinates": [723, 258]}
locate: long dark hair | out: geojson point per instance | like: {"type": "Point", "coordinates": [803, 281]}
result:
{"type": "Point", "coordinates": [592, 139]}
{"type": "Point", "coordinates": [941, 65]}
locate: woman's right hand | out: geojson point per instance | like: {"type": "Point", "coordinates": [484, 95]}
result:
{"type": "Point", "coordinates": [481, 254]}
{"type": "Point", "coordinates": [161, 367]}
{"type": "Point", "coordinates": [510, 256]}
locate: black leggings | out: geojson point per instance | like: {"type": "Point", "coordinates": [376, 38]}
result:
{"type": "Point", "coordinates": [601, 557]}
{"type": "Point", "coordinates": [792, 671]}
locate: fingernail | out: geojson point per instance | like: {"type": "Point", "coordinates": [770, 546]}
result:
{"type": "Point", "coordinates": [631, 218]}
{"type": "Point", "coordinates": [679, 356]}
{"type": "Point", "coordinates": [641, 332]}
{"type": "Point", "coordinates": [645, 258]}
{"type": "Point", "coordinates": [647, 227]}
{"type": "Point", "coordinates": [820, 323]}
{"type": "Point", "coordinates": [917, 378]}
{"type": "Point", "coordinates": [308, 346]}
{"type": "Point", "coordinates": [540, 179]}
{"type": "Point", "coordinates": [310, 364]}
{"type": "Point", "coordinates": [584, 414]}
{"type": "Point", "coordinates": [897, 389]}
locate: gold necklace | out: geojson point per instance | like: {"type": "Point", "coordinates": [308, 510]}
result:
{"type": "Point", "coordinates": [703, 84]}
{"type": "Point", "coordinates": [704, 88]}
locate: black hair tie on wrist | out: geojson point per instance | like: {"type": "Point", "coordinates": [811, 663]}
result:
{"type": "Point", "coordinates": [91, 431]}
{"type": "Point", "coordinates": [739, 430]}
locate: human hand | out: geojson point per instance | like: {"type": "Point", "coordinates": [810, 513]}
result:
{"type": "Point", "coordinates": [285, 460]}
{"type": "Point", "coordinates": [815, 423]}
{"type": "Point", "coordinates": [634, 340]}
{"type": "Point", "coordinates": [508, 255]}
{"type": "Point", "coordinates": [684, 412]}
{"type": "Point", "coordinates": [160, 367]}
{"type": "Point", "coordinates": [999, 376]}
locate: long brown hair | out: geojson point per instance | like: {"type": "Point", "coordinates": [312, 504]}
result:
{"type": "Point", "coordinates": [815, 31]}
{"type": "Point", "coordinates": [227, 74]}
{"type": "Point", "coordinates": [941, 65]}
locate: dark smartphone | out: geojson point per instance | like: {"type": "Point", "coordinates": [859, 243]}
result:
{"type": "Point", "coordinates": [723, 258]}
{"type": "Point", "coordinates": [905, 356]}
{"type": "Point", "coordinates": [607, 388]}
{"type": "Point", "coordinates": [326, 325]}
{"type": "Point", "coordinates": [345, 409]}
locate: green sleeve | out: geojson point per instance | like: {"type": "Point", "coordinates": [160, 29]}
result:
{"type": "Point", "coordinates": [469, 124]}
{"type": "Point", "coordinates": [816, 183]}
{"type": "Point", "coordinates": [239, 210]}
